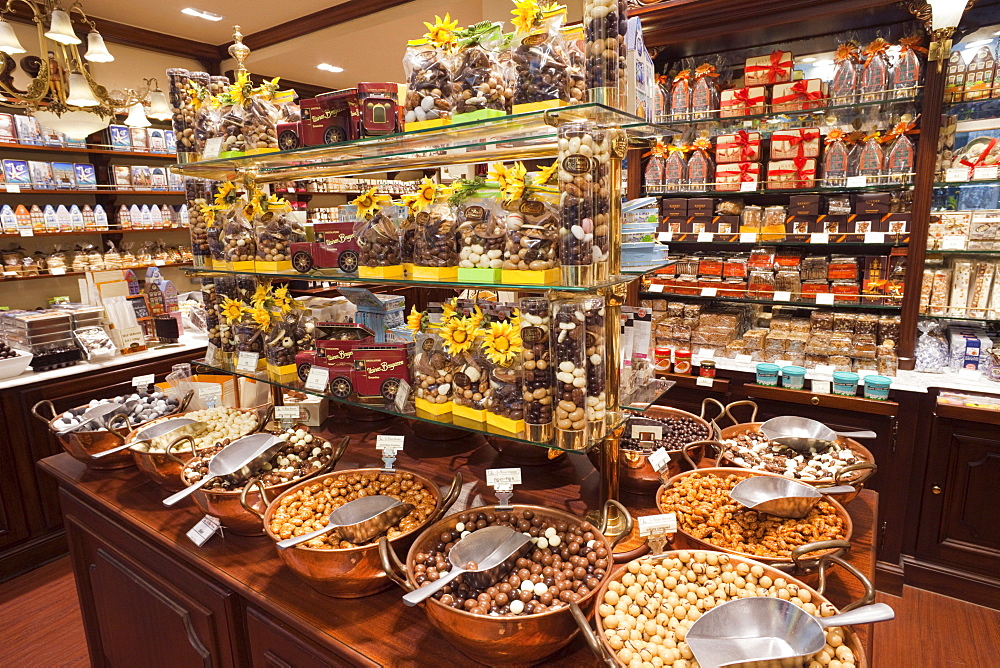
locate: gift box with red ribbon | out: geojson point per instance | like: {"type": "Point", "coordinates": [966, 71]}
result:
{"type": "Point", "coordinates": [743, 102]}
{"type": "Point", "coordinates": [798, 96]}
{"type": "Point", "coordinates": [731, 176]}
{"type": "Point", "coordinates": [798, 143]}
{"type": "Point", "coordinates": [796, 173]}
{"type": "Point", "coordinates": [742, 146]}
{"type": "Point", "coordinates": [771, 69]}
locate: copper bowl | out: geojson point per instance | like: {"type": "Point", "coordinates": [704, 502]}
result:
{"type": "Point", "coordinates": [83, 445]}
{"type": "Point", "coordinates": [357, 571]}
{"type": "Point", "coordinates": [164, 468]}
{"type": "Point", "coordinates": [499, 641]}
{"type": "Point", "coordinates": [866, 467]}
{"type": "Point", "coordinates": [817, 549]}
{"type": "Point", "coordinates": [598, 641]}
{"type": "Point", "coordinates": [242, 511]}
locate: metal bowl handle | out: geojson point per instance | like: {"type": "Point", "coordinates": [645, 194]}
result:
{"type": "Point", "coordinates": [736, 404]}
{"type": "Point", "coordinates": [816, 546]}
{"type": "Point", "coordinates": [605, 514]}
{"type": "Point", "coordinates": [705, 403]}
{"type": "Point", "coordinates": [44, 402]}
{"type": "Point", "coordinates": [871, 470]}
{"type": "Point", "coordinates": [718, 447]}
{"type": "Point", "coordinates": [262, 423]}
{"type": "Point", "coordinates": [392, 566]}
{"type": "Point", "coordinates": [169, 451]}
{"type": "Point", "coordinates": [114, 429]}
{"type": "Point", "coordinates": [185, 400]}
{"type": "Point", "coordinates": [869, 595]}
{"type": "Point", "coordinates": [449, 499]}
{"type": "Point", "coordinates": [591, 637]}
{"type": "Point", "coordinates": [254, 482]}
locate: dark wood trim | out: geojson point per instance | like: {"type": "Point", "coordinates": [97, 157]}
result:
{"type": "Point", "coordinates": [310, 23]}
{"type": "Point", "coordinates": [889, 578]}
{"type": "Point", "coordinates": [855, 404]}
{"type": "Point", "coordinates": [958, 584]}
{"type": "Point", "coordinates": [968, 414]}
{"type": "Point", "coordinates": [32, 554]}
{"type": "Point", "coordinates": [690, 382]}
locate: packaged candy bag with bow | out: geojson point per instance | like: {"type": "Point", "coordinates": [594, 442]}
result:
{"type": "Point", "coordinates": [876, 72]}
{"type": "Point", "coordinates": [477, 86]}
{"type": "Point", "coordinates": [846, 74]}
{"type": "Point", "coordinates": [260, 119]}
{"type": "Point", "coordinates": [427, 64]}
{"type": "Point", "coordinates": [379, 243]}
{"type": "Point", "coordinates": [435, 248]}
{"type": "Point", "coordinates": [540, 57]}
{"type": "Point", "coordinates": [471, 381]}
{"type": "Point", "coordinates": [277, 229]}
{"type": "Point", "coordinates": [238, 240]}
{"type": "Point", "coordinates": [531, 254]}
{"type": "Point", "coordinates": [432, 370]}
{"type": "Point", "coordinates": [289, 334]}
{"type": "Point", "coordinates": [231, 116]}
{"type": "Point", "coordinates": [482, 238]}
{"type": "Point", "coordinates": [502, 346]}
{"type": "Point", "coordinates": [906, 74]}
{"type": "Point", "coordinates": [931, 350]}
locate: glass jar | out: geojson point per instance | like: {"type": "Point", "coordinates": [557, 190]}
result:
{"type": "Point", "coordinates": [538, 371]}
{"type": "Point", "coordinates": [570, 358]}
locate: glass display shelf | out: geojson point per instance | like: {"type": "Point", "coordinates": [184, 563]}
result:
{"type": "Point", "coordinates": [646, 294]}
{"type": "Point", "coordinates": [974, 110]}
{"type": "Point", "coordinates": [662, 190]}
{"type": "Point", "coordinates": [962, 252]}
{"type": "Point", "coordinates": [808, 117]}
{"type": "Point", "coordinates": [522, 136]}
{"type": "Point", "coordinates": [963, 318]}
{"type": "Point", "coordinates": [640, 401]}
{"type": "Point", "coordinates": [334, 275]}
{"type": "Point", "coordinates": [967, 184]}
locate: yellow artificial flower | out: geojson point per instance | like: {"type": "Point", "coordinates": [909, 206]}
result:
{"type": "Point", "coordinates": [275, 202]}
{"type": "Point", "coordinates": [368, 203]}
{"type": "Point", "coordinates": [457, 335]}
{"type": "Point", "coordinates": [545, 174]}
{"type": "Point", "coordinates": [239, 90]}
{"type": "Point", "coordinates": [232, 310]}
{"type": "Point", "coordinates": [525, 14]}
{"type": "Point", "coordinates": [515, 182]}
{"type": "Point", "coordinates": [499, 173]}
{"type": "Point", "coordinates": [503, 343]}
{"type": "Point", "coordinates": [426, 195]}
{"type": "Point", "coordinates": [442, 31]}
{"type": "Point", "coordinates": [415, 321]}
{"type": "Point", "coordinates": [449, 310]}
{"type": "Point", "coordinates": [282, 299]}
{"type": "Point", "coordinates": [227, 194]}
{"type": "Point", "coordinates": [515, 319]}
{"type": "Point", "coordinates": [260, 295]}
{"type": "Point", "coordinates": [261, 316]}
{"type": "Point", "coordinates": [476, 319]}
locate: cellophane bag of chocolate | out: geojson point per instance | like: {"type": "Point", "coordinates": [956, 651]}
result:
{"type": "Point", "coordinates": [541, 58]}
{"type": "Point", "coordinates": [476, 80]}
{"type": "Point", "coordinates": [428, 77]}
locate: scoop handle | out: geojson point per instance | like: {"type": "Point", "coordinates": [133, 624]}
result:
{"type": "Point", "coordinates": [428, 590]}
{"type": "Point", "coordinates": [295, 540]}
{"type": "Point", "coordinates": [186, 492]}
{"type": "Point", "coordinates": [836, 489]}
{"type": "Point", "coordinates": [117, 448]}
{"type": "Point", "coordinates": [866, 614]}
{"type": "Point", "coordinates": [857, 434]}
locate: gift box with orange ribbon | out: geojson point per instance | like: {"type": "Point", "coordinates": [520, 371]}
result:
{"type": "Point", "coordinates": [731, 176]}
{"type": "Point", "coordinates": [771, 69]}
{"type": "Point", "coordinates": [797, 173]}
{"type": "Point", "coordinates": [798, 95]}
{"type": "Point", "coordinates": [742, 146]}
{"type": "Point", "coordinates": [797, 143]}
{"type": "Point", "coordinates": [747, 101]}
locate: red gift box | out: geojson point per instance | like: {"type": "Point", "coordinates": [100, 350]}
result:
{"type": "Point", "coordinates": [791, 144]}
{"type": "Point", "coordinates": [740, 147]}
{"type": "Point", "coordinates": [797, 173]}
{"type": "Point", "coordinates": [798, 95]}
{"type": "Point", "coordinates": [771, 69]}
{"type": "Point", "coordinates": [729, 177]}
{"type": "Point", "coordinates": [743, 101]}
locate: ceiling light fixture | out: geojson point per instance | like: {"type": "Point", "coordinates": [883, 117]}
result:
{"type": "Point", "coordinates": [326, 67]}
{"type": "Point", "coordinates": [809, 59]}
{"type": "Point", "coordinates": [202, 14]}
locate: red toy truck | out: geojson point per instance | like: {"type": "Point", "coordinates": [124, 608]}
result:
{"type": "Point", "coordinates": [326, 119]}
{"type": "Point", "coordinates": [357, 364]}
{"type": "Point", "coordinates": [336, 246]}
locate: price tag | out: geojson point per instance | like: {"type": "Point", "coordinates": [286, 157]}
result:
{"type": "Point", "coordinates": [824, 298]}
{"type": "Point", "coordinates": [205, 529]}
{"type": "Point", "coordinates": [744, 359]}
{"type": "Point", "coordinates": [211, 354]}
{"type": "Point", "coordinates": [656, 287]}
{"type": "Point", "coordinates": [390, 445]}
{"type": "Point", "coordinates": [819, 237]}
{"type": "Point", "coordinates": [402, 394]}
{"type": "Point", "coordinates": [956, 174]}
{"type": "Point", "coordinates": [140, 383]}
{"type": "Point", "coordinates": [969, 374]}
{"type": "Point", "coordinates": [666, 523]}
{"type": "Point", "coordinates": [665, 236]}
{"type": "Point", "coordinates": [212, 148]}
{"type": "Point", "coordinates": [287, 414]}
{"type": "Point", "coordinates": [706, 237]}
{"type": "Point", "coordinates": [821, 386]}
{"type": "Point", "coordinates": [706, 354]}
{"type": "Point", "coordinates": [318, 379]}
{"type": "Point", "coordinates": [874, 237]}
{"type": "Point", "coordinates": [782, 296]}
{"type": "Point", "coordinates": [857, 181]}
{"type": "Point", "coordinates": [57, 271]}
{"type": "Point", "coordinates": [748, 187]}
{"type": "Point", "coordinates": [659, 459]}
{"type": "Point", "coordinates": [10, 273]}
{"type": "Point", "coordinates": [703, 381]}
{"type": "Point", "coordinates": [159, 263]}
{"type": "Point", "coordinates": [639, 429]}
{"type": "Point", "coordinates": [709, 292]}
{"type": "Point", "coordinates": [247, 362]}
{"type": "Point", "coordinates": [985, 173]}
{"type": "Point", "coordinates": [211, 396]}
{"type": "Point", "coordinates": [13, 188]}
{"type": "Point", "coordinates": [497, 478]}
{"type": "Point", "coordinates": [748, 237]}
{"type": "Point", "coordinates": [825, 369]}
{"type": "Point", "coordinates": [953, 242]}
{"type": "Point", "coordinates": [27, 232]}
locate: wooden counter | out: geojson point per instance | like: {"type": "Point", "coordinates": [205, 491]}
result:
{"type": "Point", "coordinates": [151, 597]}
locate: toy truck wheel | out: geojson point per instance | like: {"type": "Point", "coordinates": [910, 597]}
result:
{"type": "Point", "coordinates": [333, 135]}
{"type": "Point", "coordinates": [303, 371]}
{"type": "Point", "coordinates": [302, 261]}
{"type": "Point", "coordinates": [340, 388]}
{"type": "Point", "coordinates": [288, 139]}
{"type": "Point", "coordinates": [389, 388]}
{"type": "Point", "coordinates": [348, 262]}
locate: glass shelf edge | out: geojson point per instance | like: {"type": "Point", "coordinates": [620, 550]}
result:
{"type": "Point", "coordinates": [646, 294]}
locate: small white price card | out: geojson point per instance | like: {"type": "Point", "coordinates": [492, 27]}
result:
{"type": "Point", "coordinates": [748, 187]}
{"type": "Point", "coordinates": [10, 273]}
{"type": "Point", "coordinates": [656, 287]}
{"type": "Point", "coordinates": [664, 236]}
{"type": "Point", "coordinates": [866, 372]}
{"type": "Point", "coordinates": [247, 361]}
{"type": "Point", "coordinates": [956, 174]}
{"type": "Point", "coordinates": [821, 386]}
{"type": "Point", "coordinates": [709, 292]}
{"type": "Point", "coordinates": [655, 430]}
{"type": "Point", "coordinates": [318, 379]}
{"type": "Point", "coordinates": [954, 242]}
{"type": "Point", "coordinates": [205, 529]}
{"type": "Point", "coordinates": [782, 296]}
{"type": "Point", "coordinates": [706, 237]}
{"type": "Point", "coordinates": [857, 181]}
{"type": "Point", "coordinates": [874, 237]}
{"type": "Point", "coordinates": [706, 354]}
{"type": "Point", "coordinates": [985, 173]}
{"type": "Point", "coordinates": [57, 271]}
{"type": "Point", "coordinates": [159, 263]}
{"type": "Point", "coordinates": [704, 381]}
{"type": "Point", "coordinates": [27, 232]}
{"type": "Point", "coordinates": [142, 382]}
{"type": "Point", "coordinates": [666, 523]}
{"type": "Point", "coordinates": [13, 188]}
{"type": "Point", "coordinates": [211, 395]}
{"type": "Point", "coordinates": [212, 148]}
{"type": "Point", "coordinates": [286, 415]}
{"type": "Point", "coordinates": [748, 237]}
{"type": "Point", "coordinates": [390, 443]}
{"type": "Point", "coordinates": [659, 459]}
{"type": "Point", "coordinates": [824, 298]}
{"type": "Point", "coordinates": [210, 353]}
{"type": "Point", "coordinates": [825, 369]}
{"type": "Point", "coordinates": [500, 479]}
{"type": "Point", "coordinates": [819, 237]}
{"type": "Point", "coordinates": [744, 359]}
{"type": "Point", "coordinates": [782, 362]}
{"type": "Point", "coordinates": [969, 374]}
{"type": "Point", "coordinates": [402, 394]}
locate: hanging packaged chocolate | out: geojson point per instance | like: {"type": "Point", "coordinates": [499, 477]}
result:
{"type": "Point", "coordinates": [661, 99]}
{"type": "Point", "coordinates": [980, 74]}
{"type": "Point", "coordinates": [906, 74]}
{"type": "Point", "coordinates": [700, 167]}
{"type": "Point", "coordinates": [482, 238]}
{"type": "Point", "coordinates": [656, 165]}
{"type": "Point", "coordinates": [675, 168]}
{"type": "Point", "coordinates": [876, 72]}
{"type": "Point", "coordinates": [261, 119]}
{"type": "Point", "coordinates": [470, 376]}
{"type": "Point", "coordinates": [502, 346]}
{"type": "Point", "coordinates": [705, 92]}
{"type": "Point", "coordinates": [435, 248]}
{"type": "Point", "coordinates": [680, 96]}
{"type": "Point", "coordinates": [540, 57]}
{"type": "Point", "coordinates": [477, 90]}
{"type": "Point", "coordinates": [836, 162]}
{"type": "Point", "coordinates": [954, 86]}
{"type": "Point", "coordinates": [871, 159]}
{"type": "Point", "coordinates": [277, 229]}
{"type": "Point", "coordinates": [846, 74]}
{"type": "Point", "coordinates": [531, 254]}
{"type": "Point", "coordinates": [900, 156]}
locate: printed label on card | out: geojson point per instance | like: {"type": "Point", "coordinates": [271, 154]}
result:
{"type": "Point", "coordinates": [744, 359]}
{"type": "Point", "coordinates": [748, 187]}
{"type": "Point", "coordinates": [874, 237]}
{"type": "Point", "coordinates": [27, 232]}
{"type": "Point", "coordinates": [782, 296]}
{"type": "Point", "coordinates": [866, 372]}
{"type": "Point", "coordinates": [287, 413]}
{"type": "Point", "coordinates": [748, 237]}
{"type": "Point", "coordinates": [212, 148]}
{"type": "Point", "coordinates": [824, 298]}
{"type": "Point", "coordinates": [247, 361]}
{"type": "Point", "coordinates": [825, 369]}
{"type": "Point", "coordinates": [985, 173]}
{"type": "Point", "coordinates": [953, 242]}
{"type": "Point", "coordinates": [210, 353]}
{"type": "Point", "coordinates": [704, 381]}
{"type": "Point", "coordinates": [503, 478]}
{"type": "Point", "coordinates": [656, 287]}
{"type": "Point", "coordinates": [664, 236]}
{"type": "Point", "coordinates": [318, 379]}
{"type": "Point", "coordinates": [13, 188]}
{"type": "Point", "coordinates": [159, 263]}
{"type": "Point", "coordinates": [203, 530]}
{"type": "Point", "coordinates": [706, 237]}
{"type": "Point", "coordinates": [857, 181]}
{"type": "Point", "coordinates": [649, 523]}
{"type": "Point", "coordinates": [142, 382]}
{"type": "Point", "coordinates": [781, 363]}
{"type": "Point", "coordinates": [58, 271]}
{"type": "Point", "coordinates": [956, 174]}
{"type": "Point", "coordinates": [211, 396]}
{"type": "Point", "coordinates": [659, 459]}
{"type": "Point", "coordinates": [819, 237]}
{"type": "Point", "coordinates": [389, 443]}
{"type": "Point", "coordinates": [821, 386]}
{"type": "Point", "coordinates": [654, 429]}
{"type": "Point", "coordinates": [709, 292]}
{"type": "Point", "coordinates": [969, 374]}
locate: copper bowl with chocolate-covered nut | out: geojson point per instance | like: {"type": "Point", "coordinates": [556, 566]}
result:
{"type": "Point", "coordinates": [495, 627]}
{"type": "Point", "coordinates": [354, 571]}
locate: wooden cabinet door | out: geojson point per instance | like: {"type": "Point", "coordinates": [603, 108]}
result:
{"type": "Point", "coordinates": [274, 645]}
{"type": "Point", "coordinates": [13, 516]}
{"type": "Point", "coordinates": [959, 522]}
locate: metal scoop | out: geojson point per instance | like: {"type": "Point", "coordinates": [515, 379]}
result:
{"type": "Point", "coordinates": [100, 414]}
{"type": "Point", "coordinates": [484, 556]}
{"type": "Point", "coordinates": [767, 629]}
{"type": "Point", "coordinates": [799, 433]}
{"type": "Point", "coordinates": [235, 462]}
{"type": "Point", "coordinates": [358, 521]}
{"type": "Point", "coordinates": [780, 496]}
{"type": "Point", "coordinates": [160, 434]}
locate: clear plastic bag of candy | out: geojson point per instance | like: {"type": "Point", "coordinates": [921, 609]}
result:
{"type": "Point", "coordinates": [428, 76]}
{"type": "Point", "coordinates": [541, 59]}
{"type": "Point", "coordinates": [476, 81]}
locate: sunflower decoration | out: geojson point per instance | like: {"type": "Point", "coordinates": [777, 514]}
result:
{"type": "Point", "coordinates": [261, 295]}
{"type": "Point", "coordinates": [476, 319]}
{"type": "Point", "coordinates": [369, 202]}
{"type": "Point", "coordinates": [527, 15]}
{"type": "Point", "coordinates": [458, 335]}
{"type": "Point", "coordinates": [232, 310]}
{"type": "Point", "coordinates": [500, 174]}
{"type": "Point", "coordinates": [502, 342]}
{"type": "Point", "coordinates": [240, 91]}
{"type": "Point", "coordinates": [415, 321]}
{"type": "Point", "coordinates": [282, 300]}
{"type": "Point", "coordinates": [545, 174]}
{"type": "Point", "coordinates": [442, 31]}
{"type": "Point", "coordinates": [261, 316]}
{"type": "Point", "coordinates": [449, 310]}
{"type": "Point", "coordinates": [273, 202]}
{"type": "Point", "coordinates": [515, 182]}
{"type": "Point", "coordinates": [227, 194]}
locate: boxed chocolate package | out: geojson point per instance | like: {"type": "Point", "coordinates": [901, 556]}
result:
{"type": "Point", "coordinates": [774, 68]}
{"type": "Point", "coordinates": [734, 175]}
{"type": "Point", "coordinates": [806, 205]}
{"type": "Point", "coordinates": [798, 96]}
{"type": "Point", "coordinates": [798, 173]}
{"type": "Point", "coordinates": [795, 143]}
{"type": "Point", "coordinates": [871, 202]}
{"type": "Point", "coordinates": [741, 146]}
{"type": "Point", "coordinates": [674, 206]}
{"type": "Point", "coordinates": [748, 101]}
{"type": "Point", "coordinates": [701, 206]}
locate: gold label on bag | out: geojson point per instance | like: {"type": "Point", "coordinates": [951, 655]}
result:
{"type": "Point", "coordinates": [577, 163]}
{"type": "Point", "coordinates": [532, 208]}
{"type": "Point", "coordinates": [535, 39]}
{"type": "Point", "coordinates": [532, 334]}
{"type": "Point", "coordinates": [422, 218]}
{"type": "Point", "coordinates": [475, 213]}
